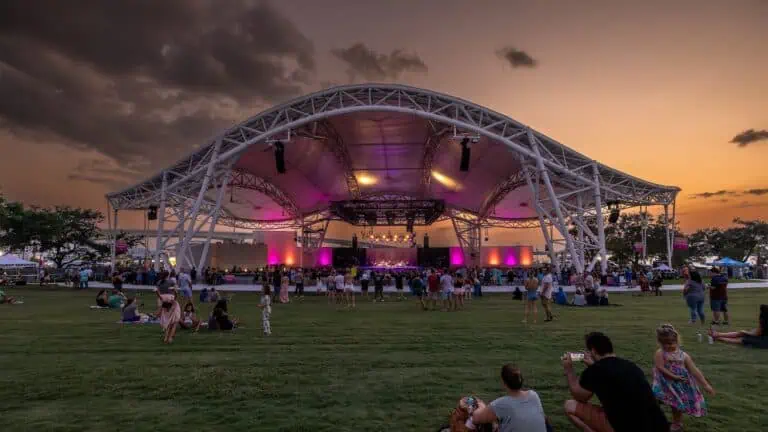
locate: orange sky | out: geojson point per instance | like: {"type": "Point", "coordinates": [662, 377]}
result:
{"type": "Point", "coordinates": [654, 88]}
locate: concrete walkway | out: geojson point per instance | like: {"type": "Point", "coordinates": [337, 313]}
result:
{"type": "Point", "coordinates": [487, 289]}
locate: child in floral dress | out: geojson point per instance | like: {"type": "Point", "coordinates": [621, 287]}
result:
{"type": "Point", "coordinates": [266, 310]}
{"type": "Point", "coordinates": [676, 379]}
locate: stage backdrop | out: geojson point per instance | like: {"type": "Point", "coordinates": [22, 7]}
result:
{"type": "Point", "coordinates": [385, 257]}
{"type": "Point", "coordinates": [495, 256]}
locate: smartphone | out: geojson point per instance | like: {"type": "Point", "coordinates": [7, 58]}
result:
{"type": "Point", "coordinates": [576, 356]}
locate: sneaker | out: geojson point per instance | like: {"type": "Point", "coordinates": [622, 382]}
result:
{"type": "Point", "coordinates": [725, 323]}
{"type": "Point", "coordinates": [714, 323]}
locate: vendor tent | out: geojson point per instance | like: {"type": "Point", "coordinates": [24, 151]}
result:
{"type": "Point", "coordinates": [12, 261]}
{"type": "Point", "coordinates": [729, 262]}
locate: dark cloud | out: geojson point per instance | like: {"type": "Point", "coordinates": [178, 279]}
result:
{"type": "Point", "coordinates": [143, 79]}
{"type": "Point", "coordinates": [366, 63]}
{"type": "Point", "coordinates": [517, 58]}
{"type": "Point", "coordinates": [707, 195]}
{"type": "Point", "coordinates": [750, 136]}
{"type": "Point", "coordinates": [756, 192]}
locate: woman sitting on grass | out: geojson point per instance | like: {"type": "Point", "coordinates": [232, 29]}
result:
{"type": "Point", "coordinates": [220, 319]}
{"type": "Point", "coordinates": [170, 315]}
{"type": "Point", "coordinates": [131, 312]}
{"type": "Point", "coordinates": [756, 338]}
{"type": "Point", "coordinates": [116, 300]}
{"type": "Point", "coordinates": [189, 320]}
{"type": "Point", "coordinates": [102, 299]}
{"type": "Point", "coordinates": [4, 299]}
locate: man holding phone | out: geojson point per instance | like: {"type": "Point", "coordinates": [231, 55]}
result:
{"type": "Point", "coordinates": [628, 404]}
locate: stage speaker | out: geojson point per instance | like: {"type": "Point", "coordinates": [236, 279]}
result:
{"type": "Point", "coordinates": [426, 241]}
{"type": "Point", "coordinates": [280, 157]}
{"type": "Point", "coordinates": [354, 241]}
{"type": "Point", "coordinates": [465, 154]}
{"type": "Point", "coordinates": [152, 213]}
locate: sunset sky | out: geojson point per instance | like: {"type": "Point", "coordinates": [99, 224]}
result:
{"type": "Point", "coordinates": [95, 97]}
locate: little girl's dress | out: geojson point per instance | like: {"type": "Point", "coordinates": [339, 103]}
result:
{"type": "Point", "coordinates": [685, 395]}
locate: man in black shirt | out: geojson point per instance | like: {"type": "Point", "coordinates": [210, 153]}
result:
{"type": "Point", "coordinates": [628, 404]}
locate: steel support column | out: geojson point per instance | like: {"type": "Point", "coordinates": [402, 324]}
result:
{"type": "Point", "coordinates": [580, 228]}
{"type": "Point", "coordinates": [468, 233]}
{"type": "Point", "coordinates": [160, 222]}
{"type": "Point", "coordinates": [542, 223]}
{"type": "Point", "coordinates": [214, 219]}
{"type": "Point", "coordinates": [561, 226]}
{"type": "Point", "coordinates": [600, 221]}
{"type": "Point", "coordinates": [200, 196]}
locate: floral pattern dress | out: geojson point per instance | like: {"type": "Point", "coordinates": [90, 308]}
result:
{"type": "Point", "coordinates": [685, 395]}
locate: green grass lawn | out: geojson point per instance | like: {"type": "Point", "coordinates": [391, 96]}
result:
{"type": "Point", "coordinates": [387, 366]}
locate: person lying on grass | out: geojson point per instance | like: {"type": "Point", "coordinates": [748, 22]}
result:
{"type": "Point", "coordinates": [756, 338]}
{"type": "Point", "coordinates": [170, 315]}
{"type": "Point", "coordinates": [102, 299]}
{"type": "Point", "coordinates": [5, 299]}
{"type": "Point", "coordinates": [220, 319]}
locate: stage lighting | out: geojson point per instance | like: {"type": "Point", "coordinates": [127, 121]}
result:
{"type": "Point", "coordinates": [280, 157]}
{"type": "Point", "coordinates": [465, 153]}
{"type": "Point", "coordinates": [152, 213]}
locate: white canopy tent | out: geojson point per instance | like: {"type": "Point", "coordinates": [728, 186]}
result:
{"type": "Point", "coordinates": [11, 261]}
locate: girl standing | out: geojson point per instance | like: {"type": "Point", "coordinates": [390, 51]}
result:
{"type": "Point", "coordinates": [458, 293]}
{"type": "Point", "coordinates": [349, 290]}
{"type": "Point", "coordinates": [266, 311]}
{"type": "Point", "coordinates": [284, 289]}
{"type": "Point", "coordinates": [676, 378]}
{"type": "Point", "coordinates": [532, 294]}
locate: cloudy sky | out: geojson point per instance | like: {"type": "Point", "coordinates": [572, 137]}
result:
{"type": "Point", "coordinates": [94, 95]}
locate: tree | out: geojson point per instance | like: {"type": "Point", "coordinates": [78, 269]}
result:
{"type": "Point", "coordinates": [19, 227]}
{"type": "Point", "coordinates": [739, 242]}
{"type": "Point", "coordinates": [69, 235]}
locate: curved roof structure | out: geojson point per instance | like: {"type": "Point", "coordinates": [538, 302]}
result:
{"type": "Point", "coordinates": [352, 141]}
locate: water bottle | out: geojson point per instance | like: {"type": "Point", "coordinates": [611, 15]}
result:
{"type": "Point", "coordinates": [699, 336]}
{"type": "Point", "coordinates": [710, 340]}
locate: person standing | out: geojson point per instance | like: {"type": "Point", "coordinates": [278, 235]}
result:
{"type": "Point", "coordinates": [193, 275]}
{"type": "Point", "coordinates": [338, 282]}
{"type": "Point", "coordinates": [433, 288]}
{"type": "Point", "coordinates": [718, 297]}
{"type": "Point", "coordinates": [284, 289]}
{"type": "Point", "coordinates": [446, 284]}
{"type": "Point", "coordinates": [532, 293]}
{"type": "Point", "coordinates": [276, 281]}
{"type": "Point", "coordinates": [378, 287]}
{"type": "Point", "coordinates": [693, 290]}
{"type": "Point", "coordinates": [365, 279]}
{"type": "Point", "coordinates": [266, 310]}
{"type": "Point", "coordinates": [84, 278]}
{"type": "Point", "coordinates": [628, 403]}
{"type": "Point", "coordinates": [546, 295]}
{"type": "Point", "coordinates": [417, 286]}
{"type": "Point", "coordinates": [399, 285]}
{"type": "Point", "coordinates": [184, 281]}
{"type": "Point", "coordinates": [299, 280]}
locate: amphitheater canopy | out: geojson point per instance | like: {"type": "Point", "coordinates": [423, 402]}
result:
{"type": "Point", "coordinates": [390, 142]}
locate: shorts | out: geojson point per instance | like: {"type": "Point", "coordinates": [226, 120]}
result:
{"type": "Point", "coordinates": [433, 295]}
{"type": "Point", "coordinates": [533, 296]}
{"type": "Point", "coordinates": [718, 305]}
{"type": "Point", "coordinates": [594, 416]}
{"type": "Point", "coordinates": [349, 288]}
{"type": "Point", "coordinates": [445, 295]}
{"type": "Point", "coordinates": [458, 291]}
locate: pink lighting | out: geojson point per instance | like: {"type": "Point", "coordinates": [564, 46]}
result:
{"type": "Point", "coordinates": [273, 257]}
{"type": "Point", "coordinates": [456, 256]}
{"type": "Point", "coordinates": [324, 257]}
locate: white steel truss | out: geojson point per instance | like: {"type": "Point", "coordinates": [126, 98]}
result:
{"type": "Point", "coordinates": [575, 186]}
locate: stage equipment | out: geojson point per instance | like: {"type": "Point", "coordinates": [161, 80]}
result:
{"type": "Point", "coordinates": [390, 212]}
{"type": "Point", "coordinates": [465, 154]}
{"type": "Point", "coordinates": [152, 213]}
{"type": "Point", "coordinates": [280, 157]}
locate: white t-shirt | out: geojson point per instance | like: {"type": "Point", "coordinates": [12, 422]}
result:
{"type": "Point", "coordinates": [184, 281]}
{"type": "Point", "coordinates": [339, 279]}
{"type": "Point", "coordinates": [546, 286]}
{"type": "Point", "coordinates": [446, 282]}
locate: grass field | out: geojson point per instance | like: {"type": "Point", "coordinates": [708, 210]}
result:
{"type": "Point", "coordinates": [386, 366]}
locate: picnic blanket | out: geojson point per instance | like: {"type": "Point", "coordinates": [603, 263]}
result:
{"type": "Point", "coordinates": [139, 322]}
{"type": "Point", "coordinates": [98, 307]}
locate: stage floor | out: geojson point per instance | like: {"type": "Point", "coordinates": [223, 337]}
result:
{"type": "Point", "coordinates": [391, 289]}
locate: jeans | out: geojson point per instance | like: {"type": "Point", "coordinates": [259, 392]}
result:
{"type": "Point", "coordinates": [696, 307]}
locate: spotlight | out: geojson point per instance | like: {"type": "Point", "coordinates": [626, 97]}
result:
{"type": "Point", "coordinates": [280, 157]}
{"type": "Point", "coordinates": [465, 153]}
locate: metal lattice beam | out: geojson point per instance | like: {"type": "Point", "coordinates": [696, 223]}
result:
{"type": "Point", "coordinates": [501, 190]}
{"type": "Point", "coordinates": [245, 180]}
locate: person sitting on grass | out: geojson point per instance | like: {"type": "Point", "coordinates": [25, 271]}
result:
{"type": "Point", "coordinates": [628, 403]}
{"type": "Point", "coordinates": [519, 410]}
{"type": "Point", "coordinates": [204, 295]}
{"type": "Point", "coordinates": [213, 295]}
{"type": "Point", "coordinates": [116, 300]}
{"type": "Point", "coordinates": [578, 298]}
{"type": "Point", "coordinates": [220, 317]}
{"type": "Point", "coordinates": [170, 315]}
{"type": "Point", "coordinates": [130, 312]}
{"type": "Point", "coordinates": [189, 320]}
{"type": "Point", "coordinates": [756, 338]}
{"type": "Point", "coordinates": [5, 299]}
{"type": "Point", "coordinates": [517, 294]}
{"type": "Point", "coordinates": [560, 297]}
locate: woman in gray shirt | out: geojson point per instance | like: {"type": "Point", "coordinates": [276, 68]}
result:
{"type": "Point", "coordinates": [694, 297]}
{"type": "Point", "coordinates": [519, 411]}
